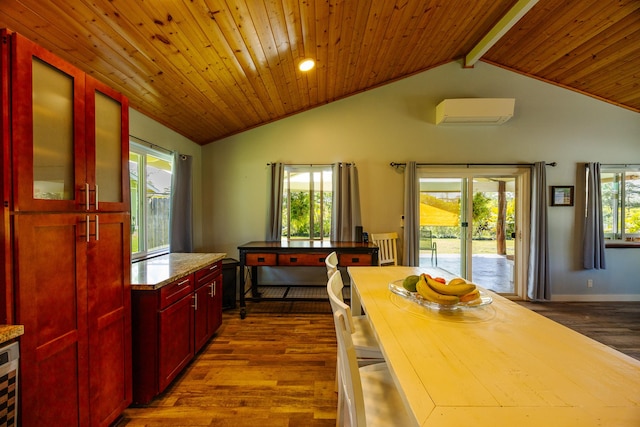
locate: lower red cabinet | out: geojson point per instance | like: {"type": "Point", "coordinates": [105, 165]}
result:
{"type": "Point", "coordinates": [170, 325]}
{"type": "Point", "coordinates": [175, 340]}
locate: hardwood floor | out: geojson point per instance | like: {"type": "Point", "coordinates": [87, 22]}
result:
{"type": "Point", "coordinates": [268, 370]}
{"type": "Point", "coordinates": [276, 368]}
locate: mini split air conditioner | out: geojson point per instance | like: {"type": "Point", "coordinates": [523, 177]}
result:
{"type": "Point", "coordinates": [475, 111]}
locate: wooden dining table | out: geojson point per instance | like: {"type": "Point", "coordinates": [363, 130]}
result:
{"type": "Point", "coordinates": [499, 364]}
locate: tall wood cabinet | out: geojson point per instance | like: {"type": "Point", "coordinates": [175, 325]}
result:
{"type": "Point", "coordinates": [66, 237]}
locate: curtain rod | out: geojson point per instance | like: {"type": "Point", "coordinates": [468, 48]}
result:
{"type": "Point", "coordinates": [312, 164]}
{"type": "Point", "coordinates": [395, 165]}
{"type": "Point", "coordinates": [151, 144]}
{"type": "Point", "coordinates": [619, 165]}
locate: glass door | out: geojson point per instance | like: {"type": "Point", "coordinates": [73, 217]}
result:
{"type": "Point", "coordinates": [470, 225]}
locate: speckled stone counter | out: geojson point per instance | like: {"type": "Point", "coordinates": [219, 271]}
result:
{"type": "Point", "coordinates": [156, 272]}
{"type": "Point", "coordinates": [9, 332]}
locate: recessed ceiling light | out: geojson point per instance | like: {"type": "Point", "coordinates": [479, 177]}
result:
{"type": "Point", "coordinates": [306, 64]}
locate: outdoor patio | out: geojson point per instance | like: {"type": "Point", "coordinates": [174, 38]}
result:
{"type": "Point", "coordinates": [493, 272]}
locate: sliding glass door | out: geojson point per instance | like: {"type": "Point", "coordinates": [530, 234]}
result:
{"type": "Point", "coordinates": [471, 223]}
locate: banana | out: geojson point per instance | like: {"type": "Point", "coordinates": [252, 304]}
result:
{"type": "Point", "coordinates": [471, 296]}
{"type": "Point", "coordinates": [430, 295]}
{"type": "Point", "coordinates": [456, 281]}
{"type": "Point", "coordinates": [444, 289]}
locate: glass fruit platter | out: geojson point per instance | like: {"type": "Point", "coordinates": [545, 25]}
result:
{"type": "Point", "coordinates": [397, 288]}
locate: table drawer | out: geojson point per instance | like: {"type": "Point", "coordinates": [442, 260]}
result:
{"type": "Point", "coordinates": [261, 259]}
{"type": "Point", "coordinates": [174, 291]}
{"type": "Point", "coordinates": [207, 273]}
{"type": "Point", "coordinates": [304, 259]}
{"type": "Point", "coordinates": [354, 259]}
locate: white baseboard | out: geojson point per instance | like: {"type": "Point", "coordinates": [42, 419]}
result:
{"type": "Point", "coordinates": [596, 298]}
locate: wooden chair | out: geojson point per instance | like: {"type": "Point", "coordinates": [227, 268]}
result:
{"type": "Point", "coordinates": [366, 345]}
{"type": "Point", "coordinates": [365, 342]}
{"type": "Point", "coordinates": [387, 244]}
{"type": "Point", "coordinates": [368, 396]}
{"type": "Point", "coordinates": [331, 261]}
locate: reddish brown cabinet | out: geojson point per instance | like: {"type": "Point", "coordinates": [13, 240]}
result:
{"type": "Point", "coordinates": [207, 303]}
{"type": "Point", "coordinates": [170, 325]}
{"type": "Point", "coordinates": [175, 339]}
{"type": "Point", "coordinates": [67, 254]}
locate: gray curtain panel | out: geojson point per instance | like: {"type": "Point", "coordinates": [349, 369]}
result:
{"type": "Point", "coordinates": [274, 217]}
{"type": "Point", "coordinates": [538, 283]}
{"type": "Point", "coordinates": [345, 215]}
{"type": "Point", "coordinates": [411, 246]}
{"type": "Point", "coordinates": [181, 223]}
{"type": "Point", "coordinates": [593, 237]}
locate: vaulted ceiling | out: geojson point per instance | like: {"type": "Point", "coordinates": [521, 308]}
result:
{"type": "Point", "coordinates": [209, 69]}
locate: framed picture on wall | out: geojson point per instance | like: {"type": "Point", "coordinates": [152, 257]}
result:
{"type": "Point", "coordinates": [562, 195]}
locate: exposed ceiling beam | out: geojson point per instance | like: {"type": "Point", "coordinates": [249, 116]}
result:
{"type": "Point", "coordinates": [508, 20]}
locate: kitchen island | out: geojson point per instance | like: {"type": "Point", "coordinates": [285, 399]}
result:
{"type": "Point", "coordinates": [498, 364]}
{"type": "Point", "coordinates": [176, 304]}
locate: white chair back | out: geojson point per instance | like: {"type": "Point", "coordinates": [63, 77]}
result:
{"type": "Point", "coordinates": [331, 261]}
{"type": "Point", "coordinates": [387, 244]}
{"type": "Point", "coordinates": [334, 289]}
{"type": "Point", "coordinates": [351, 383]}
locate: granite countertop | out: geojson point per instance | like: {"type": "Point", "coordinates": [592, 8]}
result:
{"type": "Point", "coordinates": [154, 273]}
{"type": "Point", "coordinates": [9, 332]}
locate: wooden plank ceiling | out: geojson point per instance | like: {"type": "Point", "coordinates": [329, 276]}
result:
{"type": "Point", "coordinates": [210, 69]}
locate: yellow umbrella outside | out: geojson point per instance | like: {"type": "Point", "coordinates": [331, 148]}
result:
{"type": "Point", "coordinates": [430, 215]}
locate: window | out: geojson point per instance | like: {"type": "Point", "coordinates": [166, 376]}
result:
{"type": "Point", "coordinates": [150, 175]}
{"type": "Point", "coordinates": [621, 202]}
{"type": "Point", "coordinates": [306, 202]}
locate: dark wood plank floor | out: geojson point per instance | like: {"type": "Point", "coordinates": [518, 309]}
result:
{"type": "Point", "coordinates": [276, 368]}
{"type": "Point", "coordinates": [616, 324]}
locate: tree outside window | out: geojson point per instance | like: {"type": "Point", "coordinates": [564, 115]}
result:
{"type": "Point", "coordinates": [307, 202]}
{"type": "Point", "coordinates": [620, 189]}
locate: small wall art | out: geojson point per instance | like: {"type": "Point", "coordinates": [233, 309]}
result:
{"type": "Point", "coordinates": [562, 195]}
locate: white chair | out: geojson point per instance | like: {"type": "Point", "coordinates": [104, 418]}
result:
{"type": "Point", "coordinates": [364, 340]}
{"type": "Point", "coordinates": [387, 244]}
{"type": "Point", "coordinates": [368, 396]}
{"type": "Point", "coordinates": [331, 261]}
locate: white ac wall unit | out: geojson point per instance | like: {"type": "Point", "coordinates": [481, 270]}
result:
{"type": "Point", "coordinates": [475, 111]}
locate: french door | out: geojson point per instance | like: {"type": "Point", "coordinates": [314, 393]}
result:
{"type": "Point", "coordinates": [473, 224]}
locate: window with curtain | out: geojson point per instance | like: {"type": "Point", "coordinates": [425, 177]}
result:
{"type": "Point", "coordinates": [150, 175]}
{"type": "Point", "coordinates": [307, 202]}
{"type": "Point", "coordinates": [620, 188]}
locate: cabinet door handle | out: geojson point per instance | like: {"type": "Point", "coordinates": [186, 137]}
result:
{"type": "Point", "coordinates": [212, 286]}
{"type": "Point", "coordinates": [97, 233]}
{"type": "Point", "coordinates": [195, 302]}
{"type": "Point", "coordinates": [96, 197]}
{"type": "Point", "coordinates": [86, 195]}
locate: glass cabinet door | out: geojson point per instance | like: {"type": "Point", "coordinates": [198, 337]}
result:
{"type": "Point", "coordinates": [48, 130]}
{"type": "Point", "coordinates": [107, 147]}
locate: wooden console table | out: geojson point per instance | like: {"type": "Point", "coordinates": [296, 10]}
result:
{"type": "Point", "coordinates": [298, 254]}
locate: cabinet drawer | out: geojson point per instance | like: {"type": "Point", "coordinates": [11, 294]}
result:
{"type": "Point", "coordinates": [305, 259]}
{"type": "Point", "coordinates": [174, 291]}
{"type": "Point", "coordinates": [261, 259]}
{"type": "Point", "coordinates": [207, 273]}
{"type": "Point", "coordinates": [354, 259]}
